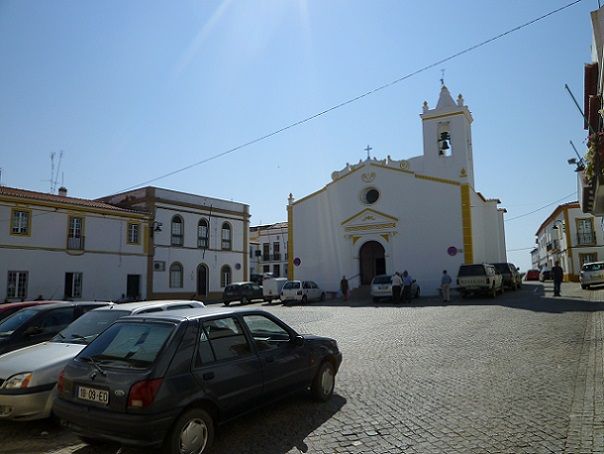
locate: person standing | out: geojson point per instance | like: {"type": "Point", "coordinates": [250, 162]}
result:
{"type": "Point", "coordinates": [397, 283]}
{"type": "Point", "coordinates": [407, 283]}
{"type": "Point", "coordinates": [445, 287]}
{"type": "Point", "coordinates": [557, 276]}
{"type": "Point", "coordinates": [344, 288]}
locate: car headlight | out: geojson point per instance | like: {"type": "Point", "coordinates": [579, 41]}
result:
{"type": "Point", "coordinates": [18, 381]}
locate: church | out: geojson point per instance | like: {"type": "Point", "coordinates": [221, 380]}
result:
{"type": "Point", "coordinates": [379, 216]}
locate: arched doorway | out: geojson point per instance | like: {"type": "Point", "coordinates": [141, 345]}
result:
{"type": "Point", "coordinates": [202, 280]}
{"type": "Point", "coordinates": [372, 261]}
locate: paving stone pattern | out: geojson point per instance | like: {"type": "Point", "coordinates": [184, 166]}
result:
{"type": "Point", "coordinates": [519, 374]}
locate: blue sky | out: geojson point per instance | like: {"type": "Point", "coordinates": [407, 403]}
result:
{"type": "Point", "coordinates": [132, 90]}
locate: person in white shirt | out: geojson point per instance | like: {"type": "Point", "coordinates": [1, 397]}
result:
{"type": "Point", "coordinates": [397, 283]}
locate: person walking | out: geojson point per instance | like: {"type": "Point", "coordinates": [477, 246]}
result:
{"type": "Point", "coordinates": [407, 283]}
{"type": "Point", "coordinates": [557, 276]}
{"type": "Point", "coordinates": [344, 288]}
{"type": "Point", "coordinates": [397, 284]}
{"type": "Point", "coordinates": [445, 287]}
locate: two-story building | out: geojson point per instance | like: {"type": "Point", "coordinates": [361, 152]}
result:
{"type": "Point", "coordinates": [198, 244]}
{"type": "Point", "coordinates": [570, 237]}
{"type": "Point", "coordinates": [272, 249]}
{"type": "Point", "coordinates": [61, 247]}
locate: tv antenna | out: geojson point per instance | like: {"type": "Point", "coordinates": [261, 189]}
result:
{"type": "Point", "coordinates": [54, 174]}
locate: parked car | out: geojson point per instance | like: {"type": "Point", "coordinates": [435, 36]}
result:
{"type": "Point", "coordinates": [545, 275]}
{"type": "Point", "coordinates": [381, 287]}
{"type": "Point", "coordinates": [244, 292]}
{"type": "Point", "coordinates": [36, 324]}
{"type": "Point", "coordinates": [302, 291]}
{"type": "Point", "coordinates": [591, 274]}
{"type": "Point", "coordinates": [168, 379]}
{"type": "Point", "coordinates": [531, 275]}
{"type": "Point", "coordinates": [28, 376]}
{"type": "Point", "coordinates": [10, 308]}
{"type": "Point", "coordinates": [510, 275]}
{"type": "Point", "coordinates": [271, 288]}
{"type": "Point", "coordinates": [480, 278]}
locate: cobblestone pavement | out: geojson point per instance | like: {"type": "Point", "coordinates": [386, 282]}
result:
{"type": "Point", "coordinates": [519, 374]}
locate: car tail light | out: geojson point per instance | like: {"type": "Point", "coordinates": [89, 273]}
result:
{"type": "Point", "coordinates": [61, 381]}
{"type": "Point", "coordinates": [143, 393]}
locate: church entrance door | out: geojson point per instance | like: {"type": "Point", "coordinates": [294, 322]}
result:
{"type": "Point", "coordinates": [372, 261]}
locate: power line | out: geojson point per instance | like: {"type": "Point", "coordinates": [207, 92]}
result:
{"type": "Point", "coordinates": [356, 98]}
{"type": "Point", "coordinates": [543, 207]}
{"type": "Point", "coordinates": [520, 249]}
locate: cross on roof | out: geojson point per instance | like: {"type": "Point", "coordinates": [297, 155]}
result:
{"type": "Point", "coordinates": [442, 77]}
{"type": "Point", "coordinates": [368, 149]}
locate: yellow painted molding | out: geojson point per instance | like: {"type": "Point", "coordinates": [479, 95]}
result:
{"type": "Point", "coordinates": [10, 224]}
{"type": "Point", "coordinates": [437, 179]}
{"type": "Point", "coordinates": [466, 217]}
{"type": "Point", "coordinates": [385, 236]}
{"type": "Point", "coordinates": [569, 251]}
{"type": "Point", "coordinates": [68, 251]}
{"type": "Point", "coordinates": [368, 210]}
{"type": "Point", "coordinates": [290, 241]}
{"type": "Point", "coordinates": [355, 238]}
{"type": "Point", "coordinates": [360, 228]}
{"type": "Point", "coordinates": [428, 116]}
{"type": "Point", "coordinates": [382, 166]}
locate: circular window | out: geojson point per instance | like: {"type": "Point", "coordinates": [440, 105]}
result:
{"type": "Point", "coordinates": [370, 195]}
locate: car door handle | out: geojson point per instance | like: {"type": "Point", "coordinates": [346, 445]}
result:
{"type": "Point", "coordinates": [208, 376]}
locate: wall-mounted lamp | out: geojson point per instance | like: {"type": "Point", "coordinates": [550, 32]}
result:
{"type": "Point", "coordinates": [156, 227]}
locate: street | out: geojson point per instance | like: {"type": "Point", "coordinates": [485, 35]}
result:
{"type": "Point", "coordinates": [521, 373]}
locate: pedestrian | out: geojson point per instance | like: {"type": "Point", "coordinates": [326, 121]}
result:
{"type": "Point", "coordinates": [406, 290]}
{"type": "Point", "coordinates": [344, 288]}
{"type": "Point", "coordinates": [557, 276]}
{"type": "Point", "coordinates": [445, 287]}
{"type": "Point", "coordinates": [397, 284]}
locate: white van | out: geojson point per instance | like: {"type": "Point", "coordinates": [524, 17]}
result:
{"type": "Point", "coordinates": [271, 288]}
{"type": "Point", "coordinates": [591, 274]}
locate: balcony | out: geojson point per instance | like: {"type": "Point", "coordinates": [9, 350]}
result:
{"type": "Point", "coordinates": [586, 238]}
{"type": "Point", "coordinates": [273, 257]}
{"type": "Point", "coordinates": [75, 244]}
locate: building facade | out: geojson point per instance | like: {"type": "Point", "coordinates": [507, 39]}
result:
{"type": "Point", "coordinates": [570, 237]}
{"type": "Point", "coordinates": [380, 216]}
{"type": "Point", "coordinates": [271, 253]}
{"type": "Point", "coordinates": [61, 247]}
{"type": "Point", "coordinates": [198, 244]}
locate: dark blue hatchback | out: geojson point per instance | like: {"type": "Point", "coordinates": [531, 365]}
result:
{"type": "Point", "coordinates": [167, 379]}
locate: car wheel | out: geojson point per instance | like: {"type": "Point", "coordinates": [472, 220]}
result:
{"type": "Point", "coordinates": [226, 303]}
{"type": "Point", "coordinates": [324, 382]}
{"type": "Point", "coordinates": [322, 296]}
{"type": "Point", "coordinates": [193, 432]}
{"type": "Point", "coordinates": [244, 300]}
{"type": "Point", "coordinates": [269, 301]}
{"type": "Point", "coordinates": [304, 299]}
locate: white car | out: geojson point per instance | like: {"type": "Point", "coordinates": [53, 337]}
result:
{"type": "Point", "coordinates": [303, 291]}
{"type": "Point", "coordinates": [381, 288]}
{"type": "Point", "coordinates": [591, 274]}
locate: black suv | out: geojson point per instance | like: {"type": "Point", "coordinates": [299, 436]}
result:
{"type": "Point", "coordinates": [167, 379]}
{"type": "Point", "coordinates": [243, 292]}
{"type": "Point", "coordinates": [510, 274]}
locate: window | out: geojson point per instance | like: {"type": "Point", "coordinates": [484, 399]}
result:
{"type": "Point", "coordinates": [75, 237]}
{"type": "Point", "coordinates": [225, 276]}
{"type": "Point", "coordinates": [73, 285]}
{"type": "Point", "coordinates": [20, 222]}
{"type": "Point", "coordinates": [266, 268]}
{"type": "Point", "coordinates": [587, 258]}
{"type": "Point", "coordinates": [276, 252]}
{"type": "Point", "coordinates": [267, 334]}
{"type": "Point", "coordinates": [226, 236]}
{"type": "Point", "coordinates": [177, 231]}
{"type": "Point", "coordinates": [176, 275]}
{"type": "Point", "coordinates": [585, 231]}
{"type": "Point", "coordinates": [17, 285]}
{"type": "Point", "coordinates": [203, 235]}
{"type": "Point", "coordinates": [285, 270]}
{"type": "Point", "coordinates": [370, 196]}
{"type": "Point", "coordinates": [226, 338]}
{"type": "Point", "coordinates": [133, 233]}
{"type": "Point", "coordinates": [276, 270]}
{"type": "Point", "coordinates": [266, 255]}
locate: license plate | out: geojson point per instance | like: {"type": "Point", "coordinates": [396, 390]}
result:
{"type": "Point", "coordinates": [93, 395]}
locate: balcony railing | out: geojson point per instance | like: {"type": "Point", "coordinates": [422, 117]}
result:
{"type": "Point", "coordinates": [273, 257]}
{"type": "Point", "coordinates": [76, 244]}
{"type": "Point", "coordinates": [586, 238]}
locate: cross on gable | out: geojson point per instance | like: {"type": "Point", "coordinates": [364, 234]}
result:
{"type": "Point", "coordinates": [368, 149]}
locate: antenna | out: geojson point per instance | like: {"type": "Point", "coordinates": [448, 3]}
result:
{"type": "Point", "coordinates": [54, 174]}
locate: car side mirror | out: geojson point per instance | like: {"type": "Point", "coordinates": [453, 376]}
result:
{"type": "Point", "coordinates": [33, 331]}
{"type": "Point", "coordinates": [298, 341]}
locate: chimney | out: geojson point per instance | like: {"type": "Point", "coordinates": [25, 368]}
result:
{"type": "Point", "coordinates": [63, 191]}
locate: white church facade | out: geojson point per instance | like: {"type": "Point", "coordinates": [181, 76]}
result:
{"type": "Point", "coordinates": [380, 216]}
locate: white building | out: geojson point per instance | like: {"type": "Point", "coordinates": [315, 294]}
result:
{"type": "Point", "coordinates": [199, 244]}
{"type": "Point", "coordinates": [571, 237]}
{"type": "Point", "coordinates": [68, 248]}
{"type": "Point", "coordinates": [272, 246]}
{"type": "Point", "coordinates": [379, 216]}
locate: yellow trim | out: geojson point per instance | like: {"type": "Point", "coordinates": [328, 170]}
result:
{"type": "Point", "coordinates": [147, 238]}
{"type": "Point", "coordinates": [569, 247]}
{"type": "Point", "coordinates": [312, 194]}
{"type": "Point", "coordinates": [364, 210]}
{"type": "Point", "coordinates": [355, 238]}
{"type": "Point", "coordinates": [246, 243]}
{"type": "Point", "coordinates": [65, 206]}
{"type": "Point", "coordinates": [382, 166]}
{"type": "Point", "coordinates": [357, 228]}
{"type": "Point", "coordinates": [290, 242]}
{"type": "Point", "coordinates": [386, 236]}
{"type": "Point", "coordinates": [466, 219]}
{"type": "Point", "coordinates": [12, 216]}
{"type": "Point", "coordinates": [67, 251]}
{"type": "Point", "coordinates": [428, 116]}
{"type": "Point", "coordinates": [128, 233]}
{"type": "Point", "coordinates": [437, 179]}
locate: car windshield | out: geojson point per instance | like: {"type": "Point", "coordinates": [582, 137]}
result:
{"type": "Point", "coordinates": [13, 322]}
{"type": "Point", "coordinates": [88, 326]}
{"type": "Point", "coordinates": [382, 279]}
{"type": "Point", "coordinates": [471, 270]}
{"type": "Point", "coordinates": [131, 345]}
{"type": "Point", "coordinates": [292, 285]}
{"type": "Point", "coordinates": [502, 267]}
{"type": "Point", "coordinates": [593, 267]}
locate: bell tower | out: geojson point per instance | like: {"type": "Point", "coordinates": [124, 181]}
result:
{"type": "Point", "coordinates": [448, 139]}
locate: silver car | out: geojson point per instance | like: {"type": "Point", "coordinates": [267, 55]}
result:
{"type": "Point", "coordinates": [28, 376]}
